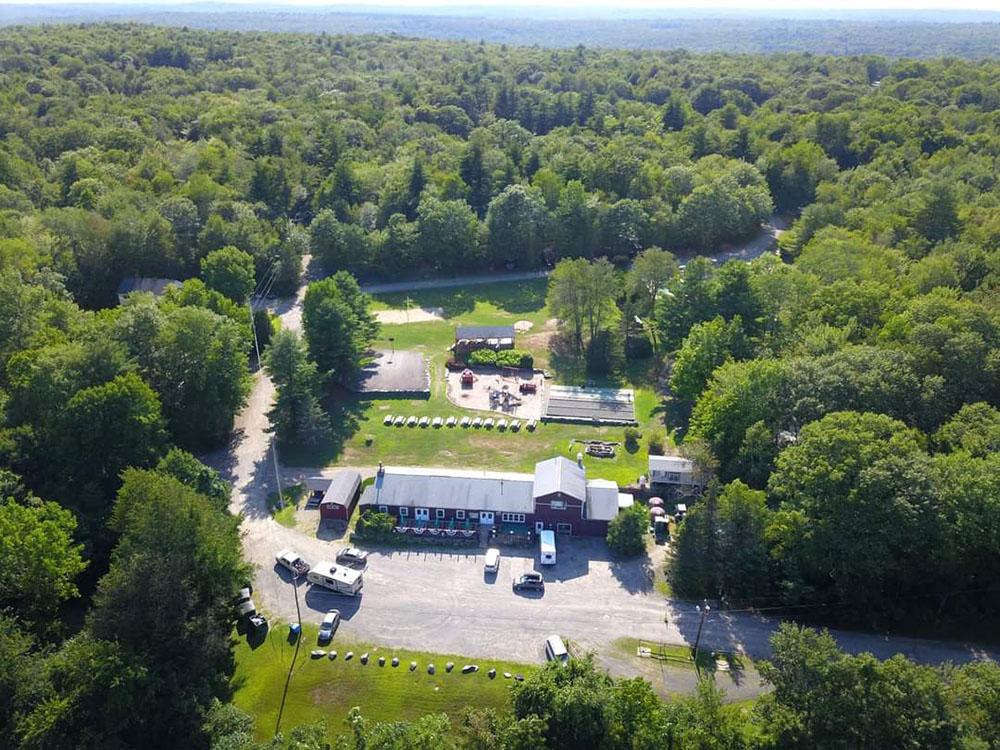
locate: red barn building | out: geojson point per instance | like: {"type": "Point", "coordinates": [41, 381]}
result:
{"type": "Point", "coordinates": [340, 496]}
{"type": "Point", "coordinates": [557, 496]}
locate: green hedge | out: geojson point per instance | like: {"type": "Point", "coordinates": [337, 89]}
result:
{"type": "Point", "coordinates": [506, 358]}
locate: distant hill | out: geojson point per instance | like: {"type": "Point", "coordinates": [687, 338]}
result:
{"type": "Point", "coordinates": [969, 34]}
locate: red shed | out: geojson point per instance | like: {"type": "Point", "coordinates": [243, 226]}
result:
{"type": "Point", "coordinates": [341, 496]}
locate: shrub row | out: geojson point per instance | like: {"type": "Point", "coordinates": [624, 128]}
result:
{"type": "Point", "coordinates": [506, 358]}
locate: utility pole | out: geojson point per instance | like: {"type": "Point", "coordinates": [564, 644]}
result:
{"type": "Point", "coordinates": [697, 640]}
{"type": "Point", "coordinates": [274, 459]}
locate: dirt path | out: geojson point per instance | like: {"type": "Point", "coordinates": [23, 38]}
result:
{"type": "Point", "coordinates": [413, 315]}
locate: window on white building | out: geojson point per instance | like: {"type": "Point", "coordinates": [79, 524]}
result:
{"type": "Point", "coordinates": [460, 515]}
{"type": "Point", "coordinates": [512, 517]}
{"type": "Point", "coordinates": [383, 509]}
{"type": "Point", "coordinates": [439, 513]}
{"type": "Point", "coordinates": [404, 512]}
{"type": "Point", "coordinates": [558, 504]}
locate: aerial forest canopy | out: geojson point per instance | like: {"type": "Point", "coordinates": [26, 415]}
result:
{"type": "Point", "coordinates": [841, 396]}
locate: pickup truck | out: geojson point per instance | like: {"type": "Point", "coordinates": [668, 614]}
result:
{"type": "Point", "coordinates": [293, 562]}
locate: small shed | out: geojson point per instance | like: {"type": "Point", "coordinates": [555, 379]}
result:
{"type": "Point", "coordinates": [340, 496]}
{"type": "Point", "coordinates": [470, 338]}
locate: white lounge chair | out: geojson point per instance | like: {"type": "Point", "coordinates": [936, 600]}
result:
{"type": "Point", "coordinates": [450, 422]}
{"type": "Point", "coordinates": [515, 425]}
{"type": "Point", "coordinates": [411, 422]}
{"type": "Point", "coordinates": [398, 421]}
{"type": "Point", "coordinates": [477, 422]}
{"type": "Point", "coordinates": [488, 423]}
{"type": "Point", "coordinates": [387, 420]}
{"type": "Point", "coordinates": [532, 424]}
{"type": "Point", "coordinates": [465, 422]}
{"type": "Point", "coordinates": [424, 421]}
{"type": "Point", "coordinates": [501, 424]}
{"type": "Point", "coordinates": [436, 422]}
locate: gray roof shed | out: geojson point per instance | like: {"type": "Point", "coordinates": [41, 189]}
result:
{"type": "Point", "coordinates": [343, 486]}
{"type": "Point", "coordinates": [483, 333]}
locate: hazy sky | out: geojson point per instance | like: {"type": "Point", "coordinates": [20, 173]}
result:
{"type": "Point", "coordinates": [604, 5]}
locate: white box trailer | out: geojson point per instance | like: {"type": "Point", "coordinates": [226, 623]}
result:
{"type": "Point", "coordinates": [339, 579]}
{"type": "Point", "coordinates": [547, 546]}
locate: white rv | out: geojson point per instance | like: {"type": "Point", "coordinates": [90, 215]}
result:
{"type": "Point", "coordinates": [547, 547]}
{"type": "Point", "coordinates": [337, 578]}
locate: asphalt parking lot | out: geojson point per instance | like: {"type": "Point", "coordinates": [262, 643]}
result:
{"type": "Point", "coordinates": [444, 601]}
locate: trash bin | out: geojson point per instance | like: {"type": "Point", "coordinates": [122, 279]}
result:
{"type": "Point", "coordinates": [294, 630]}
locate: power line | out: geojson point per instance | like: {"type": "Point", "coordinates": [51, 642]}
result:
{"type": "Point", "coordinates": [277, 469]}
{"type": "Point", "coordinates": [819, 605]}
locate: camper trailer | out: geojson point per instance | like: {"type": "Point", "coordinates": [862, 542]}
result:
{"type": "Point", "coordinates": [337, 578]}
{"type": "Point", "coordinates": [547, 546]}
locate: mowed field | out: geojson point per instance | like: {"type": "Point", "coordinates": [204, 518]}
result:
{"type": "Point", "coordinates": [270, 680]}
{"type": "Point", "coordinates": [361, 439]}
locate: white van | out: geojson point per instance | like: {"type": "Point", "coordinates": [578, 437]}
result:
{"type": "Point", "coordinates": [547, 546]}
{"type": "Point", "coordinates": [337, 578]}
{"type": "Point", "coordinates": [492, 560]}
{"type": "Point", "coordinates": [555, 649]}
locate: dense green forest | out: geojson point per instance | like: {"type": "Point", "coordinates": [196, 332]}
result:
{"type": "Point", "coordinates": [841, 399]}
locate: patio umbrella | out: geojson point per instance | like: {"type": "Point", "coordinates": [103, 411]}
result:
{"type": "Point", "coordinates": [657, 511]}
{"type": "Point", "coordinates": [655, 502]}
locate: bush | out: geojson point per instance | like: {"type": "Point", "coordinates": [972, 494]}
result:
{"type": "Point", "coordinates": [507, 358]}
{"type": "Point", "coordinates": [483, 358]}
{"type": "Point", "coordinates": [515, 358]}
{"type": "Point", "coordinates": [376, 526]}
{"type": "Point", "coordinates": [632, 436]}
{"type": "Point", "coordinates": [656, 442]}
{"type": "Point", "coordinates": [627, 531]}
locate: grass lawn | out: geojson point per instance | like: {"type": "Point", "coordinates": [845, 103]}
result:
{"type": "Point", "coordinates": [285, 514]}
{"type": "Point", "coordinates": [362, 440]}
{"type": "Point", "coordinates": [320, 689]}
{"type": "Point", "coordinates": [677, 656]}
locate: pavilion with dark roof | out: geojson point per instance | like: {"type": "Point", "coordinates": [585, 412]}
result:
{"type": "Point", "coordinates": [470, 338]}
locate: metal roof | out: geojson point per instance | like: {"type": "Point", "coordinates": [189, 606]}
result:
{"type": "Point", "coordinates": [340, 573]}
{"type": "Point", "coordinates": [476, 333]}
{"type": "Point", "coordinates": [559, 474]}
{"type": "Point", "coordinates": [341, 489]}
{"type": "Point", "coordinates": [609, 405]}
{"type": "Point", "coordinates": [602, 500]}
{"type": "Point", "coordinates": [452, 488]}
{"type": "Point", "coordinates": [670, 463]}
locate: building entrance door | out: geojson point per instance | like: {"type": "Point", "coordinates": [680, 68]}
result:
{"type": "Point", "coordinates": [422, 514]}
{"type": "Point", "coordinates": [486, 518]}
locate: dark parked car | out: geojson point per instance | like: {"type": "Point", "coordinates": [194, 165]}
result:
{"type": "Point", "coordinates": [530, 582]}
{"type": "Point", "coordinates": [352, 556]}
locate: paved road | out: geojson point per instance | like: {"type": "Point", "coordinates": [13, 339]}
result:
{"type": "Point", "coordinates": [441, 602]}
{"type": "Point", "coordinates": [761, 243]}
{"type": "Point", "coordinates": [486, 278]}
